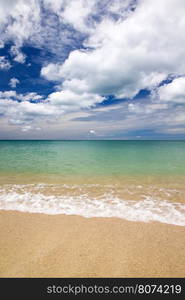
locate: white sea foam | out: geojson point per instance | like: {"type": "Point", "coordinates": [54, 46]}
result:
{"type": "Point", "coordinates": [31, 198]}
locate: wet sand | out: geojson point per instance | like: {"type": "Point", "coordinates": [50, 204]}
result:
{"type": "Point", "coordinates": [39, 245]}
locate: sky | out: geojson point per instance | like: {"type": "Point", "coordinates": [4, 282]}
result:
{"type": "Point", "coordinates": [92, 69]}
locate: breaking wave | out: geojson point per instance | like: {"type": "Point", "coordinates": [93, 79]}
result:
{"type": "Point", "coordinates": [35, 199]}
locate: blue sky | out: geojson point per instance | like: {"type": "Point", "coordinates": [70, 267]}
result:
{"type": "Point", "coordinates": [91, 69]}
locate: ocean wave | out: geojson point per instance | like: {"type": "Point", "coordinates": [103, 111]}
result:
{"type": "Point", "coordinates": [31, 198]}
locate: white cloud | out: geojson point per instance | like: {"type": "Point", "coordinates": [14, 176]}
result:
{"type": "Point", "coordinates": [29, 97]}
{"type": "Point", "coordinates": [26, 128]}
{"type": "Point", "coordinates": [39, 109]}
{"type": "Point", "coordinates": [52, 72]}
{"type": "Point", "coordinates": [4, 63]}
{"type": "Point", "coordinates": [120, 6]}
{"type": "Point", "coordinates": [18, 109]}
{"type": "Point", "coordinates": [70, 101]}
{"type": "Point", "coordinates": [127, 55]}
{"type": "Point", "coordinates": [20, 19]}
{"type": "Point", "coordinates": [92, 131]}
{"type": "Point", "coordinates": [13, 82]}
{"type": "Point", "coordinates": [29, 128]}
{"type": "Point", "coordinates": [123, 51]}
{"type": "Point", "coordinates": [84, 15]}
{"type": "Point", "coordinates": [76, 13]}
{"type": "Point", "coordinates": [12, 95]}
{"type": "Point", "coordinates": [26, 113]}
{"type": "Point", "coordinates": [8, 94]}
{"type": "Point", "coordinates": [73, 12]}
{"type": "Point", "coordinates": [27, 22]}
{"type": "Point", "coordinates": [173, 92]}
{"type": "Point", "coordinates": [18, 56]}
{"type": "Point", "coordinates": [102, 122]}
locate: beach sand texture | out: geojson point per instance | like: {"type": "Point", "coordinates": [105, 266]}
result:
{"type": "Point", "coordinates": [40, 245]}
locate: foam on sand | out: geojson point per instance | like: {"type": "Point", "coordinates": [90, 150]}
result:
{"type": "Point", "coordinates": [148, 209]}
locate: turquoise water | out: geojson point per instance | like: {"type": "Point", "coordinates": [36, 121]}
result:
{"type": "Point", "coordinates": [133, 180]}
{"type": "Point", "coordinates": [93, 157]}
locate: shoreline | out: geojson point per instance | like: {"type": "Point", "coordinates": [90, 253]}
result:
{"type": "Point", "coordinates": [40, 245]}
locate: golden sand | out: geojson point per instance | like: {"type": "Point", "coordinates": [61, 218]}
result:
{"type": "Point", "coordinates": [38, 245]}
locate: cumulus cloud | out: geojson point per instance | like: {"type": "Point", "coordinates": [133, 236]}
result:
{"type": "Point", "coordinates": [4, 63]}
{"type": "Point", "coordinates": [74, 12]}
{"type": "Point", "coordinates": [172, 92]}
{"type": "Point", "coordinates": [18, 110]}
{"type": "Point", "coordinates": [84, 15]}
{"type": "Point", "coordinates": [71, 101]}
{"type": "Point", "coordinates": [19, 20]}
{"type": "Point", "coordinates": [18, 56]}
{"type": "Point", "coordinates": [28, 108]}
{"type": "Point", "coordinates": [8, 94]}
{"type": "Point", "coordinates": [12, 95]}
{"type": "Point", "coordinates": [127, 55]}
{"type": "Point", "coordinates": [38, 22]}
{"type": "Point", "coordinates": [122, 48]}
{"type": "Point", "coordinates": [13, 82]}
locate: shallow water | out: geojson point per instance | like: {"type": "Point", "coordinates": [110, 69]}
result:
{"type": "Point", "coordinates": [93, 157]}
{"type": "Point", "coordinates": [133, 180]}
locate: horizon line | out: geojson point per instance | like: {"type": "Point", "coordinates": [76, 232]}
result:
{"type": "Point", "coordinates": [88, 140]}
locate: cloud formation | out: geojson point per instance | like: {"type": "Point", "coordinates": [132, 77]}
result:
{"type": "Point", "coordinates": [125, 56]}
{"type": "Point", "coordinates": [4, 63]}
{"type": "Point", "coordinates": [13, 82]}
{"type": "Point", "coordinates": [115, 48]}
{"type": "Point", "coordinates": [17, 55]}
{"type": "Point", "coordinates": [173, 92]}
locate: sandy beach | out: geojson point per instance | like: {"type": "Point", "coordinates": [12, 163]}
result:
{"type": "Point", "coordinates": [40, 245]}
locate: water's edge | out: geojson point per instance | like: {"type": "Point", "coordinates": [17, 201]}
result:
{"type": "Point", "coordinates": [37, 199]}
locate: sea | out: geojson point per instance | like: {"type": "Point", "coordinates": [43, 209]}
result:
{"type": "Point", "coordinates": [132, 180]}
